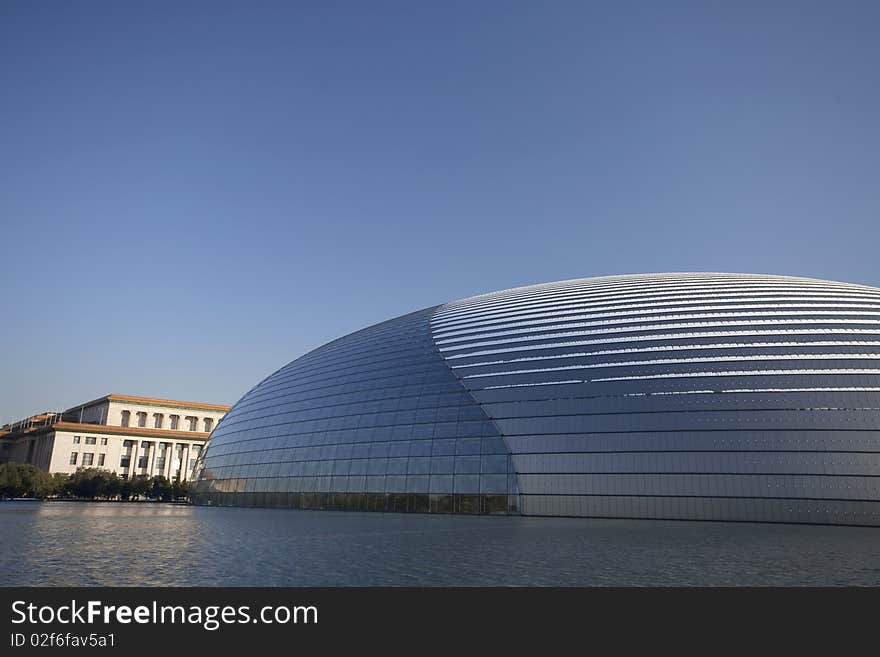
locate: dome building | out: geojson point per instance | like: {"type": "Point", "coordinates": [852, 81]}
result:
{"type": "Point", "coordinates": [698, 396]}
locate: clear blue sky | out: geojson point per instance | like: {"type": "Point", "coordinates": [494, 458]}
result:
{"type": "Point", "coordinates": [194, 193]}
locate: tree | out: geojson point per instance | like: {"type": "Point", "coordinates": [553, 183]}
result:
{"type": "Point", "coordinates": [179, 489]}
{"type": "Point", "coordinates": [11, 484]}
{"type": "Point", "coordinates": [138, 485]}
{"type": "Point", "coordinates": [85, 483]}
{"type": "Point", "coordinates": [60, 484]}
{"type": "Point", "coordinates": [160, 488]}
{"type": "Point", "coordinates": [91, 483]}
{"type": "Point", "coordinates": [125, 489]}
{"type": "Point", "coordinates": [24, 480]}
{"type": "Point", "coordinates": [114, 486]}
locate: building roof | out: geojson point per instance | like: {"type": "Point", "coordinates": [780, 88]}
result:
{"type": "Point", "coordinates": [155, 402]}
{"type": "Point", "coordinates": [137, 432]}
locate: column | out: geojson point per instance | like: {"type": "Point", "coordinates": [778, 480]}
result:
{"type": "Point", "coordinates": [184, 462]}
{"type": "Point", "coordinates": [132, 469]}
{"type": "Point", "coordinates": [169, 459]}
{"type": "Point", "coordinates": [153, 448]}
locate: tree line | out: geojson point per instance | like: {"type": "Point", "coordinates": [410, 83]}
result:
{"type": "Point", "coordinates": [26, 480]}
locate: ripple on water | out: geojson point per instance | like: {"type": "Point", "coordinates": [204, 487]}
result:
{"type": "Point", "coordinates": [83, 544]}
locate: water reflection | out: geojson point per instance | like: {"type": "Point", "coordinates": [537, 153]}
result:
{"type": "Point", "coordinates": [81, 544]}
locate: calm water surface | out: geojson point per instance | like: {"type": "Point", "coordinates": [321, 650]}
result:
{"type": "Point", "coordinates": [70, 543]}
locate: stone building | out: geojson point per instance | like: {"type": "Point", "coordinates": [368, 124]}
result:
{"type": "Point", "coordinates": [124, 434]}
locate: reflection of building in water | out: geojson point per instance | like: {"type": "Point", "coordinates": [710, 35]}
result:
{"type": "Point", "coordinates": [124, 434]}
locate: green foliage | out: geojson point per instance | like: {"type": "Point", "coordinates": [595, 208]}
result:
{"type": "Point", "coordinates": [24, 480]}
{"type": "Point", "coordinates": [160, 488]}
{"type": "Point", "coordinates": [113, 487]}
{"type": "Point", "coordinates": [136, 487]}
{"type": "Point", "coordinates": [91, 483]}
{"type": "Point", "coordinates": [179, 489]}
{"type": "Point", "coordinates": [59, 484]}
{"type": "Point", "coordinates": [125, 489]}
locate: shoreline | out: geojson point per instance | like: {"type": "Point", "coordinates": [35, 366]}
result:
{"type": "Point", "coordinates": [34, 499]}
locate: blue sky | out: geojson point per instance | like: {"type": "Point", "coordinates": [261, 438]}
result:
{"type": "Point", "coordinates": [194, 193]}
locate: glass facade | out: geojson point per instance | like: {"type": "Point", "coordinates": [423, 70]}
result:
{"type": "Point", "coordinates": [681, 396]}
{"type": "Point", "coordinates": [373, 421]}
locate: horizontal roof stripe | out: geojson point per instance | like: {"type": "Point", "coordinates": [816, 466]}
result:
{"type": "Point", "coordinates": [680, 361]}
{"type": "Point", "coordinates": [696, 311]}
{"type": "Point", "coordinates": [637, 290]}
{"type": "Point", "coordinates": [663, 348]}
{"type": "Point", "coordinates": [652, 327]}
{"type": "Point", "coordinates": [574, 308]}
{"type": "Point", "coordinates": [788, 315]}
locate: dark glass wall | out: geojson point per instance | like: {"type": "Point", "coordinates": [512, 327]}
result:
{"type": "Point", "coordinates": [373, 421]}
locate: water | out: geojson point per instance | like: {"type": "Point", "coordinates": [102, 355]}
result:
{"type": "Point", "coordinates": [83, 544]}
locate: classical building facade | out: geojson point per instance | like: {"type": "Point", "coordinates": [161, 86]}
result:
{"type": "Point", "coordinates": [121, 433]}
{"type": "Point", "coordinates": [702, 396]}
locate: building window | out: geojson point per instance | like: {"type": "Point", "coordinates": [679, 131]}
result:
{"type": "Point", "coordinates": [126, 418]}
{"type": "Point", "coordinates": [157, 420]}
{"type": "Point", "coordinates": [142, 461]}
{"type": "Point", "coordinates": [91, 440]}
{"type": "Point", "coordinates": [88, 458]}
{"type": "Point", "coordinates": [209, 424]}
{"type": "Point", "coordinates": [125, 461]}
{"type": "Point", "coordinates": [142, 419]}
{"type": "Point", "coordinates": [73, 458]}
{"type": "Point", "coordinates": [175, 421]}
{"type": "Point", "coordinates": [193, 423]}
{"type": "Point", "coordinates": [76, 440]}
{"type": "Point", "coordinates": [100, 460]}
{"type": "Point", "coordinates": [160, 463]}
{"type": "Point", "coordinates": [103, 441]}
